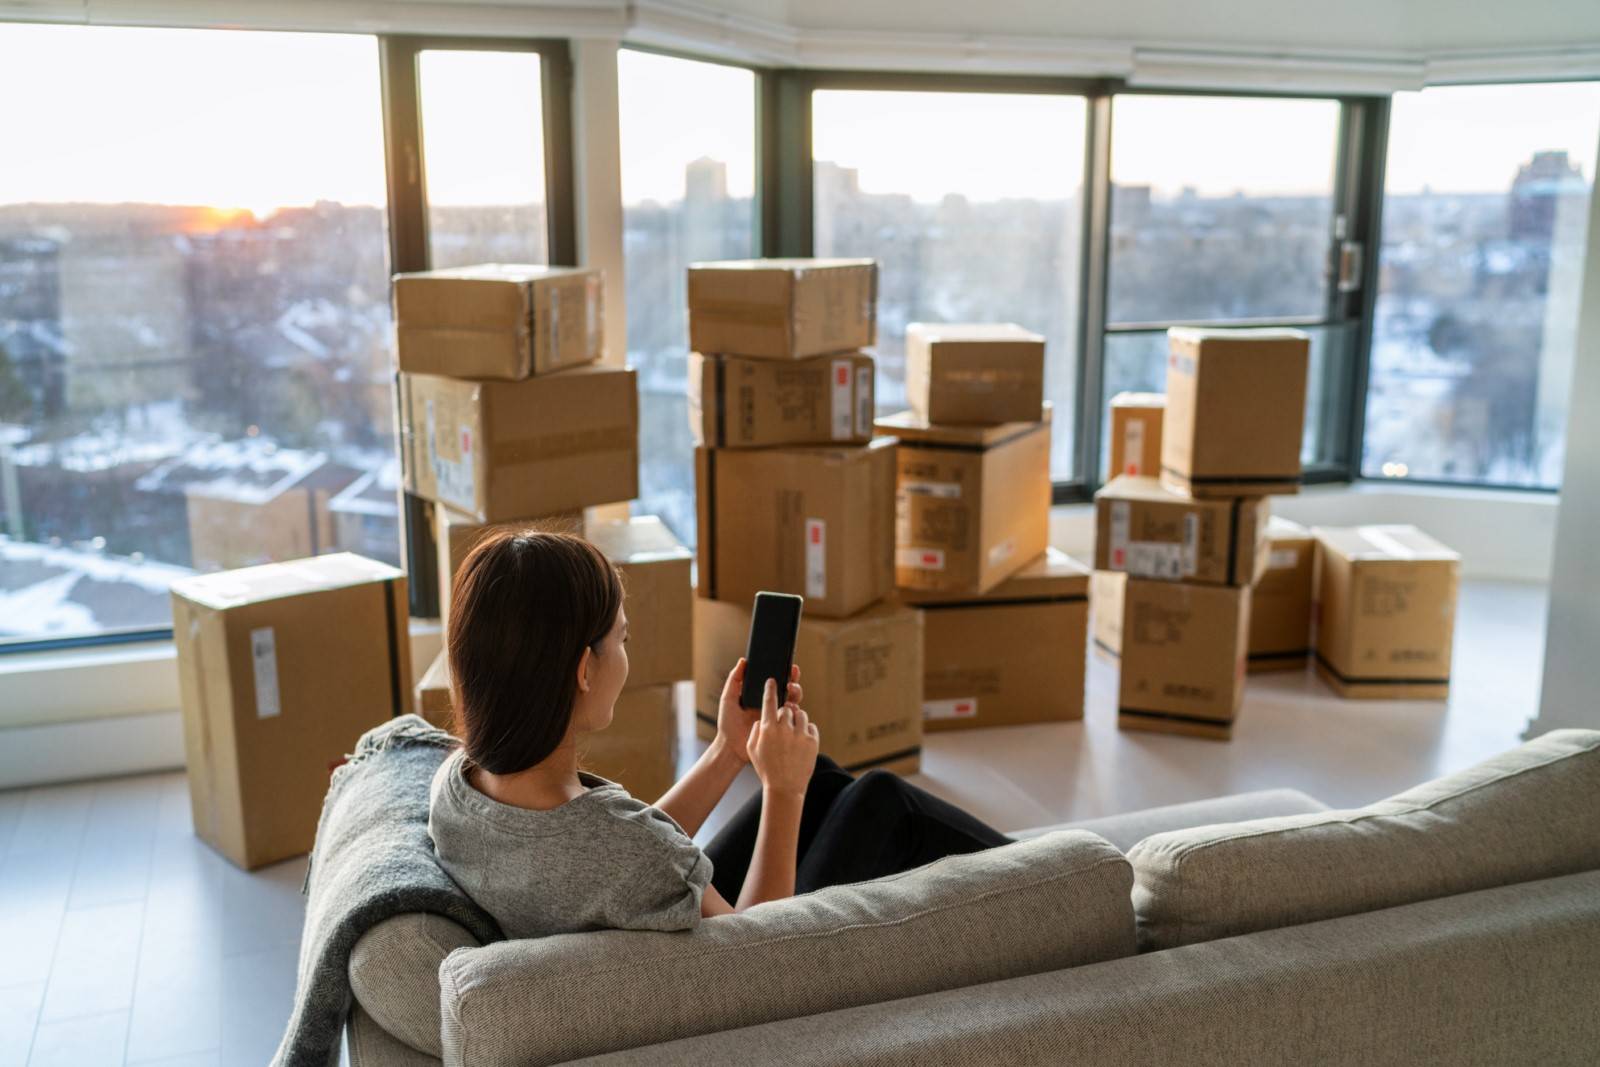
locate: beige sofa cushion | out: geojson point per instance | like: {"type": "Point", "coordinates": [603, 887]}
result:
{"type": "Point", "coordinates": [394, 974]}
{"type": "Point", "coordinates": [1058, 901]}
{"type": "Point", "coordinates": [1530, 813]}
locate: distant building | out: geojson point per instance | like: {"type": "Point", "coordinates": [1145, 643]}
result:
{"type": "Point", "coordinates": [705, 180]}
{"type": "Point", "coordinates": [366, 515]}
{"type": "Point", "coordinates": [1537, 193]}
{"type": "Point", "coordinates": [32, 347]}
{"type": "Point", "coordinates": [59, 590]}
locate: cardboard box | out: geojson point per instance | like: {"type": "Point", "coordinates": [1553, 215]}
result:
{"type": "Point", "coordinates": [434, 700]}
{"type": "Point", "coordinates": [1010, 656]}
{"type": "Point", "coordinates": [782, 308]}
{"type": "Point", "coordinates": [1152, 531]}
{"type": "Point", "coordinates": [1280, 604]}
{"type": "Point", "coordinates": [640, 747]}
{"type": "Point", "coordinates": [658, 597]}
{"type": "Point", "coordinates": [1183, 657]}
{"type": "Point", "coordinates": [1386, 609]}
{"type": "Point", "coordinates": [814, 521]}
{"type": "Point", "coordinates": [1136, 434]}
{"type": "Point", "coordinates": [1236, 405]}
{"type": "Point", "coordinates": [735, 402]}
{"type": "Point", "coordinates": [862, 677]}
{"type": "Point", "coordinates": [455, 534]}
{"type": "Point", "coordinates": [506, 450]}
{"type": "Point", "coordinates": [1106, 590]}
{"type": "Point", "coordinates": [498, 320]}
{"type": "Point", "coordinates": [281, 668]}
{"type": "Point", "coordinates": [972, 503]}
{"type": "Point", "coordinates": [981, 374]}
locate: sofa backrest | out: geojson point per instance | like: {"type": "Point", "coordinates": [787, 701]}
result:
{"type": "Point", "coordinates": [1530, 813]}
{"type": "Point", "coordinates": [1058, 901]}
{"type": "Point", "coordinates": [394, 974]}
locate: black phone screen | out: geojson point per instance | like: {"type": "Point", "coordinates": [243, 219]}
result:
{"type": "Point", "coordinates": [773, 626]}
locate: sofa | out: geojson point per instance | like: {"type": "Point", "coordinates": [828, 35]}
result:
{"type": "Point", "coordinates": [1457, 922]}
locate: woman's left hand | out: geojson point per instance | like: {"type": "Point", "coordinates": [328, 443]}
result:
{"type": "Point", "coordinates": [734, 722]}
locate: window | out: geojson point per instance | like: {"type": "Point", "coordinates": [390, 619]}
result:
{"type": "Point", "coordinates": [972, 205]}
{"type": "Point", "coordinates": [1486, 202]}
{"type": "Point", "coordinates": [688, 181]}
{"type": "Point", "coordinates": [194, 315]}
{"type": "Point", "coordinates": [483, 156]}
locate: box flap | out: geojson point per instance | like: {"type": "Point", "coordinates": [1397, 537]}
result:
{"type": "Point", "coordinates": [1139, 400]}
{"type": "Point", "coordinates": [1052, 576]}
{"type": "Point", "coordinates": [1282, 529]}
{"type": "Point", "coordinates": [1367, 543]}
{"type": "Point", "coordinates": [797, 265]}
{"type": "Point", "coordinates": [908, 427]}
{"type": "Point", "coordinates": [271, 581]}
{"type": "Point", "coordinates": [934, 333]}
{"type": "Point", "coordinates": [640, 539]}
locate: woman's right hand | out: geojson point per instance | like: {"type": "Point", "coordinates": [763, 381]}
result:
{"type": "Point", "coordinates": [783, 744]}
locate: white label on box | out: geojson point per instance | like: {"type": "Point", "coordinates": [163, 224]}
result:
{"type": "Point", "coordinates": [843, 411]}
{"type": "Point", "coordinates": [554, 303]}
{"type": "Point", "coordinates": [864, 401]}
{"type": "Point", "coordinates": [816, 558]}
{"type": "Point", "coordinates": [1119, 535]}
{"type": "Point", "coordinates": [264, 665]}
{"type": "Point", "coordinates": [1001, 552]}
{"type": "Point", "coordinates": [1283, 559]}
{"type": "Point", "coordinates": [1133, 447]}
{"type": "Point", "coordinates": [1153, 559]}
{"type": "Point", "coordinates": [957, 708]}
{"type": "Point", "coordinates": [942, 490]}
{"type": "Point", "coordinates": [921, 559]}
{"type": "Point", "coordinates": [1191, 543]}
{"type": "Point", "coordinates": [453, 479]}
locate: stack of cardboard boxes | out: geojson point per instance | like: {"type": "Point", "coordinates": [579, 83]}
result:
{"type": "Point", "coordinates": [507, 419]}
{"type": "Point", "coordinates": [1004, 619]}
{"type": "Point", "coordinates": [1181, 552]}
{"type": "Point", "coordinates": [795, 495]}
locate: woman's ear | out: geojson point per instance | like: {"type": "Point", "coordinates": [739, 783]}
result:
{"type": "Point", "coordinates": [584, 663]}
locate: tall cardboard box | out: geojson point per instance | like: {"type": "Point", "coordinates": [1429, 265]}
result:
{"type": "Point", "coordinates": [783, 308]}
{"type": "Point", "coordinates": [499, 450]}
{"type": "Point", "coordinates": [1106, 589]}
{"type": "Point", "coordinates": [1236, 403]}
{"type": "Point", "coordinates": [862, 677]}
{"type": "Point", "coordinates": [640, 747]}
{"type": "Point", "coordinates": [1010, 656]}
{"type": "Point", "coordinates": [977, 373]}
{"type": "Point", "coordinates": [972, 503]}
{"type": "Point", "coordinates": [658, 597]}
{"type": "Point", "coordinates": [498, 320]}
{"type": "Point", "coordinates": [1280, 604]}
{"type": "Point", "coordinates": [1183, 657]}
{"type": "Point", "coordinates": [1149, 530]}
{"type": "Point", "coordinates": [737, 402]}
{"type": "Point", "coordinates": [818, 522]}
{"type": "Point", "coordinates": [455, 534]}
{"type": "Point", "coordinates": [281, 668]}
{"type": "Point", "coordinates": [1386, 608]}
{"type": "Point", "coordinates": [1136, 434]}
{"type": "Point", "coordinates": [434, 699]}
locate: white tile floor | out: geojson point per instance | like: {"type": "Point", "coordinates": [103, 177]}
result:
{"type": "Point", "coordinates": [124, 940]}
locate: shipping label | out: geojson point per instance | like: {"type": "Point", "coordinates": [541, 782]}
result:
{"type": "Point", "coordinates": [264, 666]}
{"type": "Point", "coordinates": [920, 559]}
{"type": "Point", "coordinates": [1133, 447]}
{"type": "Point", "coordinates": [840, 383]}
{"type": "Point", "coordinates": [451, 457]}
{"type": "Point", "coordinates": [865, 401]}
{"type": "Point", "coordinates": [955, 708]}
{"type": "Point", "coordinates": [816, 558]}
{"type": "Point", "coordinates": [1283, 559]}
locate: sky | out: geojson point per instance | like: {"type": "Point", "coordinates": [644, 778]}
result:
{"type": "Point", "coordinates": [257, 120]}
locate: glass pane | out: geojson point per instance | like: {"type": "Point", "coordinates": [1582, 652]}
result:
{"type": "Point", "coordinates": [972, 205]}
{"type": "Point", "coordinates": [483, 156]}
{"type": "Point", "coordinates": [688, 179]}
{"type": "Point", "coordinates": [194, 315]}
{"type": "Point", "coordinates": [1485, 215]}
{"type": "Point", "coordinates": [1222, 207]}
{"type": "Point", "coordinates": [1137, 362]}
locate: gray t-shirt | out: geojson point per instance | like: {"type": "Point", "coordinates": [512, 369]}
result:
{"type": "Point", "coordinates": [601, 861]}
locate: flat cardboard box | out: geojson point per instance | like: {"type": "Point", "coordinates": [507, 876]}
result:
{"type": "Point", "coordinates": [782, 308]}
{"type": "Point", "coordinates": [498, 320]}
{"type": "Point", "coordinates": [455, 534]}
{"type": "Point", "coordinates": [1011, 656]}
{"type": "Point", "coordinates": [862, 677]}
{"type": "Point", "coordinates": [1183, 657]}
{"type": "Point", "coordinates": [1136, 434]}
{"type": "Point", "coordinates": [639, 749]}
{"type": "Point", "coordinates": [500, 450]}
{"type": "Point", "coordinates": [982, 374]}
{"type": "Point", "coordinates": [658, 595]}
{"type": "Point", "coordinates": [1280, 604]}
{"type": "Point", "coordinates": [1386, 609]}
{"type": "Point", "coordinates": [281, 668]}
{"type": "Point", "coordinates": [736, 402]}
{"type": "Point", "coordinates": [1149, 530]}
{"type": "Point", "coordinates": [434, 701]}
{"type": "Point", "coordinates": [972, 503]}
{"type": "Point", "coordinates": [818, 522]}
{"type": "Point", "coordinates": [1106, 590]}
{"type": "Point", "coordinates": [1236, 405]}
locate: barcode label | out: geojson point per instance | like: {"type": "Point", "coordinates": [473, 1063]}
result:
{"type": "Point", "coordinates": [1152, 559]}
{"type": "Point", "coordinates": [1283, 559]}
{"type": "Point", "coordinates": [1119, 535]}
{"type": "Point", "coordinates": [921, 559]}
{"type": "Point", "coordinates": [942, 490]}
{"type": "Point", "coordinates": [957, 708]}
{"type": "Point", "coordinates": [264, 665]}
{"type": "Point", "coordinates": [843, 410]}
{"type": "Point", "coordinates": [1133, 447]}
{"type": "Point", "coordinates": [864, 401]}
{"type": "Point", "coordinates": [816, 558]}
{"type": "Point", "coordinates": [1191, 542]}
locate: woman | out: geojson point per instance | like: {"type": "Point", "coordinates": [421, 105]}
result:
{"type": "Point", "coordinates": [537, 650]}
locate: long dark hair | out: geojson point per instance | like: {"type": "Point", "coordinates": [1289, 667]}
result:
{"type": "Point", "coordinates": [523, 607]}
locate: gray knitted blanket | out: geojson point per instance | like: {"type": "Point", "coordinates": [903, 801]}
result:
{"type": "Point", "coordinates": [372, 860]}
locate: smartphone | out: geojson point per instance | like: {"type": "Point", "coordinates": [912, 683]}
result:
{"type": "Point", "coordinates": [773, 626]}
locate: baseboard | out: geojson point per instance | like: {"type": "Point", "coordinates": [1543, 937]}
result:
{"type": "Point", "coordinates": [91, 748]}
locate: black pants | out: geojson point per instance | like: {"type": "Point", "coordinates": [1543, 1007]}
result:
{"type": "Point", "coordinates": [853, 829]}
